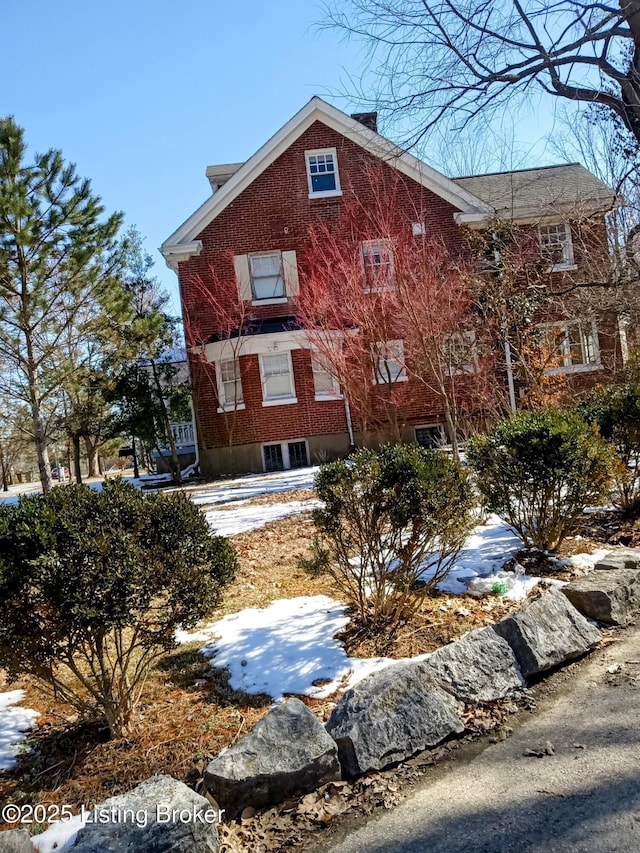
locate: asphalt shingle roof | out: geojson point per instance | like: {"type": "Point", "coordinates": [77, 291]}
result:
{"type": "Point", "coordinates": [566, 184]}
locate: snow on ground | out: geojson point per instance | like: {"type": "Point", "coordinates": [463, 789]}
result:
{"type": "Point", "coordinates": [14, 722]}
{"type": "Point", "coordinates": [254, 486]}
{"type": "Point", "coordinates": [60, 835]}
{"type": "Point", "coordinates": [487, 549]}
{"type": "Point", "coordinates": [245, 516]}
{"type": "Point", "coordinates": [287, 647]}
{"type": "Point", "coordinates": [290, 646]}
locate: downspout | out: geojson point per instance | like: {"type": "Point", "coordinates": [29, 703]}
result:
{"type": "Point", "coordinates": [509, 364]}
{"type": "Point", "coordinates": [347, 414]}
{"type": "Point", "coordinates": [507, 346]}
{"type": "Point", "coordinates": [193, 422]}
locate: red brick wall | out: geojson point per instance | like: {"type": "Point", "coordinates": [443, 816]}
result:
{"type": "Point", "coordinates": [275, 212]}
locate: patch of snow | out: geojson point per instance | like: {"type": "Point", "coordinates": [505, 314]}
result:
{"type": "Point", "coordinates": [587, 561]}
{"type": "Point", "coordinates": [486, 551]}
{"type": "Point", "coordinates": [254, 485]}
{"type": "Point", "coordinates": [244, 517]}
{"type": "Point", "coordinates": [14, 722]}
{"type": "Point", "coordinates": [516, 586]}
{"type": "Point", "coordinates": [60, 835]}
{"type": "Point", "coordinates": [287, 647]}
{"type": "Point", "coordinates": [282, 648]}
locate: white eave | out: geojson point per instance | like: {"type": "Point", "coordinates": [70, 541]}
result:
{"type": "Point", "coordinates": [559, 211]}
{"type": "Point", "coordinates": [175, 253]}
{"type": "Point", "coordinates": [319, 110]}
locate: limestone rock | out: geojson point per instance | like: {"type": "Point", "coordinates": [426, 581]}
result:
{"type": "Point", "coordinates": [611, 596]}
{"type": "Point", "coordinates": [547, 631]}
{"type": "Point", "coordinates": [389, 716]}
{"type": "Point", "coordinates": [15, 841]}
{"type": "Point", "coordinates": [151, 824]}
{"type": "Point", "coordinates": [480, 667]}
{"type": "Point", "coordinates": [626, 558]}
{"type": "Point", "coordinates": [287, 753]}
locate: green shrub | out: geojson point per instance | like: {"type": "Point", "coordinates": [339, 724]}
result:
{"type": "Point", "coordinates": [389, 516]}
{"type": "Point", "coordinates": [93, 585]}
{"type": "Point", "coordinates": [539, 470]}
{"type": "Point", "coordinates": [616, 411]}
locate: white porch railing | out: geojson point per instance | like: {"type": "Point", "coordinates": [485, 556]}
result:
{"type": "Point", "coordinates": [183, 434]}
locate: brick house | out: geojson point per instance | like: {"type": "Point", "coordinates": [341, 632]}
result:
{"type": "Point", "coordinates": [262, 401]}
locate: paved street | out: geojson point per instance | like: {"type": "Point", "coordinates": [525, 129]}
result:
{"type": "Point", "coordinates": [583, 797]}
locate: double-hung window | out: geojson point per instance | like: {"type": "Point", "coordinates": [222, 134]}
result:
{"type": "Point", "coordinates": [572, 347]}
{"type": "Point", "coordinates": [230, 385]}
{"type": "Point", "coordinates": [556, 245]}
{"type": "Point", "coordinates": [325, 384]}
{"type": "Point", "coordinates": [267, 278]}
{"type": "Point", "coordinates": [264, 278]}
{"type": "Point", "coordinates": [377, 262]}
{"type": "Point", "coordinates": [322, 173]}
{"type": "Point", "coordinates": [277, 378]}
{"type": "Point", "coordinates": [388, 362]}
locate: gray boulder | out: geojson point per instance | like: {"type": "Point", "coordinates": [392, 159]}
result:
{"type": "Point", "coordinates": [480, 667]}
{"type": "Point", "coordinates": [627, 558]}
{"type": "Point", "coordinates": [15, 841]}
{"type": "Point", "coordinates": [286, 754]}
{"type": "Point", "coordinates": [391, 715]}
{"type": "Point", "coordinates": [160, 815]}
{"type": "Point", "coordinates": [547, 631]}
{"type": "Point", "coordinates": [611, 596]}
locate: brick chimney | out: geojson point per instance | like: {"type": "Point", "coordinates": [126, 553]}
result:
{"type": "Point", "coordinates": [369, 120]}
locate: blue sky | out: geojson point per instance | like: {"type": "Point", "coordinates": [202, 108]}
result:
{"type": "Point", "coordinates": [143, 95]}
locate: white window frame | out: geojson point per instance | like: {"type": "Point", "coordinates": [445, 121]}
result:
{"type": "Point", "coordinates": [568, 261]}
{"type": "Point", "coordinates": [225, 404]}
{"type": "Point", "coordinates": [371, 247]}
{"type": "Point", "coordinates": [382, 354]}
{"type": "Point", "coordinates": [284, 446]}
{"type": "Point", "coordinates": [438, 426]}
{"type": "Point", "coordinates": [322, 193]}
{"type": "Point", "coordinates": [318, 367]}
{"type": "Point", "coordinates": [469, 367]}
{"type": "Point", "coordinates": [277, 401]}
{"type": "Point", "coordinates": [268, 300]}
{"type": "Point", "coordinates": [568, 366]}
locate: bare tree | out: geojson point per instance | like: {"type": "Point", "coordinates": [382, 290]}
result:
{"type": "Point", "coordinates": [435, 57]}
{"type": "Point", "coordinates": [393, 315]}
{"type": "Point", "coordinates": [221, 317]}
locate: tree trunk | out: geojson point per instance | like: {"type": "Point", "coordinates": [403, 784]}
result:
{"type": "Point", "coordinates": [3, 467]}
{"type": "Point", "coordinates": [136, 470]}
{"type": "Point", "coordinates": [92, 457]}
{"type": "Point", "coordinates": [44, 466]}
{"type": "Point", "coordinates": [39, 432]}
{"type": "Point", "coordinates": [77, 470]}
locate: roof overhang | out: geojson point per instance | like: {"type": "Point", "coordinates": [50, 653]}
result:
{"type": "Point", "coordinates": [174, 254]}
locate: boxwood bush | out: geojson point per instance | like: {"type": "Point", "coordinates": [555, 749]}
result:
{"type": "Point", "coordinates": [93, 585]}
{"type": "Point", "coordinates": [615, 409]}
{"type": "Point", "coordinates": [393, 521]}
{"type": "Point", "coordinates": [539, 470]}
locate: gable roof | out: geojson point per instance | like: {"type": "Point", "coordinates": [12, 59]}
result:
{"type": "Point", "coordinates": [182, 242]}
{"type": "Point", "coordinates": [549, 188]}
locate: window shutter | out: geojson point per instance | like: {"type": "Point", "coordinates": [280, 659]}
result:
{"type": "Point", "coordinates": [243, 277]}
{"type": "Point", "coordinates": [290, 270]}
